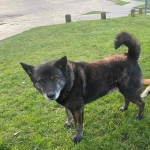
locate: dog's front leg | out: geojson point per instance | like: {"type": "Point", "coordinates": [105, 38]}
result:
{"type": "Point", "coordinates": [68, 123]}
{"type": "Point", "coordinates": [78, 118]}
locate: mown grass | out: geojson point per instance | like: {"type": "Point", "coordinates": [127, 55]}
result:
{"type": "Point", "coordinates": [92, 12]}
{"type": "Point", "coordinates": [122, 3]}
{"type": "Point", "coordinates": [29, 122]}
{"type": "Point", "coordinates": [142, 6]}
{"type": "Point", "coordinates": [141, 0]}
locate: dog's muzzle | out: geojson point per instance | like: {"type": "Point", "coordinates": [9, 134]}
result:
{"type": "Point", "coordinates": [51, 95]}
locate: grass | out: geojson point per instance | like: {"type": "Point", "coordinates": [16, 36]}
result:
{"type": "Point", "coordinates": [121, 3]}
{"type": "Point", "coordinates": [141, 6]}
{"type": "Point", "coordinates": [141, 0]}
{"type": "Point", "coordinates": [92, 12]}
{"type": "Point", "coordinates": [143, 9]}
{"type": "Point", "coordinates": [29, 122]}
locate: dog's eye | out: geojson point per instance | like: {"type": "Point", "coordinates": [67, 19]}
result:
{"type": "Point", "coordinates": [41, 81]}
{"type": "Point", "coordinates": [56, 78]}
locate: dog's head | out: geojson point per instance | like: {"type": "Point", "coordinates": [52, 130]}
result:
{"type": "Point", "coordinates": [48, 78]}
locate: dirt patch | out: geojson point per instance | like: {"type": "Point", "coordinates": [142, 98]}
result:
{"type": "Point", "coordinates": [9, 16]}
{"type": "Point", "coordinates": [2, 23]}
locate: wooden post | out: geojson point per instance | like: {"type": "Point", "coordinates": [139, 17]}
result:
{"type": "Point", "coordinates": [103, 15]}
{"type": "Point", "coordinates": [68, 18]}
{"type": "Point", "coordinates": [133, 13]}
{"type": "Point", "coordinates": [140, 10]}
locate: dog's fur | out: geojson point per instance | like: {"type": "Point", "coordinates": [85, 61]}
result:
{"type": "Point", "coordinates": [147, 90]}
{"type": "Point", "coordinates": [74, 84]}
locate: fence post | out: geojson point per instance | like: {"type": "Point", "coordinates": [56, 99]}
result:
{"type": "Point", "coordinates": [140, 10]}
{"type": "Point", "coordinates": [103, 15]}
{"type": "Point", "coordinates": [68, 18]}
{"type": "Point", "coordinates": [133, 13]}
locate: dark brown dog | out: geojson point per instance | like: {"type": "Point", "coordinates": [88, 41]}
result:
{"type": "Point", "coordinates": [74, 84]}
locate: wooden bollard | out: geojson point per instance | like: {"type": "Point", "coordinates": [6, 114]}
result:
{"type": "Point", "coordinates": [140, 10]}
{"type": "Point", "coordinates": [133, 13]}
{"type": "Point", "coordinates": [103, 15]}
{"type": "Point", "coordinates": [68, 18]}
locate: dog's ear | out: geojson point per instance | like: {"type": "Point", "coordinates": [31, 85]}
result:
{"type": "Point", "coordinates": [27, 68]}
{"type": "Point", "coordinates": [61, 63]}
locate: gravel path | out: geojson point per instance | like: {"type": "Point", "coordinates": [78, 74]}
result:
{"type": "Point", "coordinates": [17, 16]}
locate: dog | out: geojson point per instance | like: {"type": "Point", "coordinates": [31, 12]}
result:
{"type": "Point", "coordinates": [74, 84]}
{"type": "Point", "coordinates": [147, 90]}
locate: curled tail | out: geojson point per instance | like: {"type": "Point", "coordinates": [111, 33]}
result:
{"type": "Point", "coordinates": [131, 42]}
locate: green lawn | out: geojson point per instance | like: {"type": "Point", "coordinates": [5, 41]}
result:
{"type": "Point", "coordinates": [122, 2]}
{"type": "Point", "coordinates": [141, 0]}
{"type": "Point", "coordinates": [92, 12]}
{"type": "Point", "coordinates": [29, 122]}
{"type": "Point", "coordinates": [142, 6]}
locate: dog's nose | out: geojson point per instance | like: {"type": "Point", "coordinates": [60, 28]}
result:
{"type": "Point", "coordinates": [51, 95]}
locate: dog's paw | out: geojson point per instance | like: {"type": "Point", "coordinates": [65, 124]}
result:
{"type": "Point", "coordinates": [122, 109]}
{"type": "Point", "coordinates": [138, 117]}
{"type": "Point", "coordinates": [76, 139]}
{"type": "Point", "coordinates": [68, 124]}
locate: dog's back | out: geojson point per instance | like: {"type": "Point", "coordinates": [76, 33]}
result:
{"type": "Point", "coordinates": [121, 71]}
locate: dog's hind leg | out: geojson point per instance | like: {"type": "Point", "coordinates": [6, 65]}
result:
{"type": "Point", "coordinates": [138, 101]}
{"type": "Point", "coordinates": [68, 123]}
{"type": "Point", "coordinates": [125, 107]}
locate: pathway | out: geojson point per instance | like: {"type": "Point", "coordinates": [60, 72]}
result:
{"type": "Point", "coordinates": [17, 16]}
